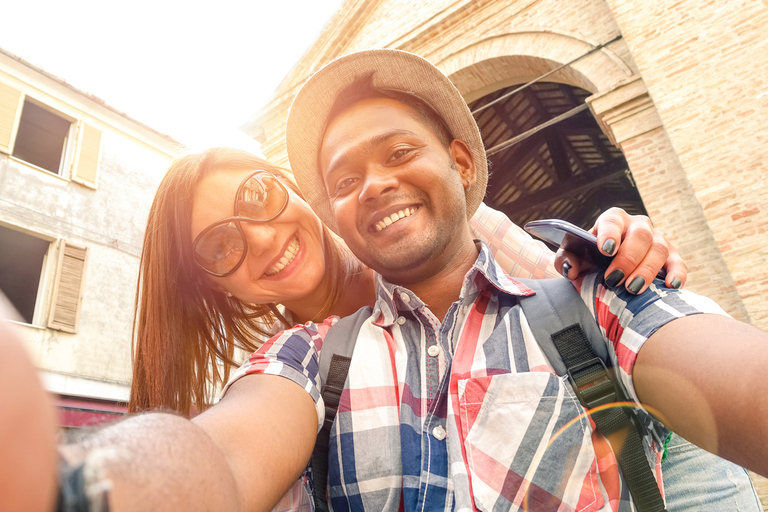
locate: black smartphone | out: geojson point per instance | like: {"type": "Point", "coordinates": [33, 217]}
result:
{"type": "Point", "coordinates": [559, 233]}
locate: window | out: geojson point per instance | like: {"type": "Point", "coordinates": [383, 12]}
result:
{"type": "Point", "coordinates": [22, 265]}
{"type": "Point", "coordinates": [40, 135]}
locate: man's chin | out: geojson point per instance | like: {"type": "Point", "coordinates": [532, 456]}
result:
{"type": "Point", "coordinates": [400, 265]}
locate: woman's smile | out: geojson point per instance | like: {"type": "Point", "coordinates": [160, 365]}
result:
{"type": "Point", "coordinates": [288, 256]}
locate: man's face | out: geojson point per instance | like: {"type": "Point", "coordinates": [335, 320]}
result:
{"type": "Point", "coordinates": [395, 190]}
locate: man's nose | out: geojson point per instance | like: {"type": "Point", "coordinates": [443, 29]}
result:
{"type": "Point", "coordinates": [378, 182]}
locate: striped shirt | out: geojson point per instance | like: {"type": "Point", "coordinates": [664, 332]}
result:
{"type": "Point", "coordinates": [466, 413]}
{"type": "Point", "coordinates": [514, 249]}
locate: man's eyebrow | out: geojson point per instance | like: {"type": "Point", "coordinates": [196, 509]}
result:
{"type": "Point", "coordinates": [340, 159]}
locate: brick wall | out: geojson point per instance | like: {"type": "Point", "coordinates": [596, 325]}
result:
{"type": "Point", "coordinates": [670, 202]}
{"type": "Point", "coordinates": [705, 64]}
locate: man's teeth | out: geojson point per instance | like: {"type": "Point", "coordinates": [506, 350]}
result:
{"type": "Point", "coordinates": [290, 253]}
{"type": "Point", "coordinates": [388, 221]}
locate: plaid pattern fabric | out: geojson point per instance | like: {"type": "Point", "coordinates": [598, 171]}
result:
{"type": "Point", "coordinates": [298, 499]}
{"type": "Point", "coordinates": [512, 247]}
{"type": "Point", "coordinates": [466, 414]}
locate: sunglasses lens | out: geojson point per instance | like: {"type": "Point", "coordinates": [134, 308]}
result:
{"type": "Point", "coordinates": [262, 197]}
{"type": "Point", "coordinates": [220, 249]}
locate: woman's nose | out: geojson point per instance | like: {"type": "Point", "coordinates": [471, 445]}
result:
{"type": "Point", "coordinates": [259, 236]}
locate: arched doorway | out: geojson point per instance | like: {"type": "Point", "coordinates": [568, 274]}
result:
{"type": "Point", "coordinates": [569, 170]}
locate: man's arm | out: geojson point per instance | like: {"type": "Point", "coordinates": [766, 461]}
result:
{"type": "Point", "coordinates": [242, 454]}
{"type": "Point", "coordinates": [705, 375]}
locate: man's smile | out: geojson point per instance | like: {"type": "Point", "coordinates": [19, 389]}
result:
{"type": "Point", "coordinates": [391, 218]}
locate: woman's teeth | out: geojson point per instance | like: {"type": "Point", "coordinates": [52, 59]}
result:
{"type": "Point", "coordinates": [388, 221]}
{"type": "Point", "coordinates": [290, 253]}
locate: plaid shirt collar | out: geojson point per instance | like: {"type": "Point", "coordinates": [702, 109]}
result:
{"type": "Point", "coordinates": [392, 298]}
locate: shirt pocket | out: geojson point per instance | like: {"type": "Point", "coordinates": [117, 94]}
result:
{"type": "Point", "coordinates": [527, 444]}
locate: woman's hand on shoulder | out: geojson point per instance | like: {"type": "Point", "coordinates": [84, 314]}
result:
{"type": "Point", "coordinates": [640, 251]}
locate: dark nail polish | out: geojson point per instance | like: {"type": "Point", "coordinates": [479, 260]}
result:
{"type": "Point", "coordinates": [566, 269]}
{"type": "Point", "coordinates": [609, 246]}
{"type": "Point", "coordinates": [614, 278]}
{"type": "Point", "coordinates": [636, 284]}
{"type": "Point", "coordinates": [676, 283]}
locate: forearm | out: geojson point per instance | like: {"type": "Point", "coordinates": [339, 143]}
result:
{"type": "Point", "coordinates": [27, 430]}
{"type": "Point", "coordinates": [157, 462]}
{"type": "Point", "coordinates": [242, 454]}
{"type": "Point", "coordinates": [705, 376]}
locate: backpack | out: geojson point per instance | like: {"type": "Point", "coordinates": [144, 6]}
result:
{"type": "Point", "coordinates": [570, 338]}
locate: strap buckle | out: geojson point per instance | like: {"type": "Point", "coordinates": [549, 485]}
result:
{"type": "Point", "coordinates": [594, 384]}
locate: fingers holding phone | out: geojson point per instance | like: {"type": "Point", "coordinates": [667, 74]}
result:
{"type": "Point", "coordinates": [641, 252]}
{"type": "Point", "coordinates": [630, 250]}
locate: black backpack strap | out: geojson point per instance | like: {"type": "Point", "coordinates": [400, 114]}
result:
{"type": "Point", "coordinates": [570, 338]}
{"type": "Point", "coordinates": [335, 357]}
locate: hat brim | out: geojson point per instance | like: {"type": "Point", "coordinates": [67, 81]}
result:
{"type": "Point", "coordinates": [390, 69]}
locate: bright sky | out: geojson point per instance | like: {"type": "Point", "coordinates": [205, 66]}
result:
{"type": "Point", "coordinates": [191, 69]}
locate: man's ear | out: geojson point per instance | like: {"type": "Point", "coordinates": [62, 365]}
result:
{"type": "Point", "coordinates": [465, 164]}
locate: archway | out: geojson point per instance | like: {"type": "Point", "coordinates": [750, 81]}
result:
{"type": "Point", "coordinates": [569, 170]}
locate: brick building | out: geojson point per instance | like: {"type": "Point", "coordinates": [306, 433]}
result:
{"type": "Point", "coordinates": [680, 88]}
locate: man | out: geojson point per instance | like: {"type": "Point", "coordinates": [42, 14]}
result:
{"type": "Point", "coordinates": [450, 403]}
{"type": "Point", "coordinates": [405, 424]}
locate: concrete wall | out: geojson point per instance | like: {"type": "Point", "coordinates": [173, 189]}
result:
{"type": "Point", "coordinates": [108, 220]}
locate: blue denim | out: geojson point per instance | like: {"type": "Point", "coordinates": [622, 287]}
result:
{"type": "Point", "coordinates": [696, 480]}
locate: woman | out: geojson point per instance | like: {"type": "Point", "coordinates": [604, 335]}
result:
{"type": "Point", "coordinates": [195, 307]}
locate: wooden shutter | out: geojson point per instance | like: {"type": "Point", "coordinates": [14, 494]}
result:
{"type": "Point", "coordinates": [87, 156]}
{"type": "Point", "coordinates": [10, 110]}
{"type": "Point", "coordinates": [68, 288]}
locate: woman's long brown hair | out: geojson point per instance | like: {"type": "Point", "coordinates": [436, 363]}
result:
{"type": "Point", "coordinates": [185, 333]}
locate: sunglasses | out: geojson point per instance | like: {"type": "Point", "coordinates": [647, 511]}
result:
{"type": "Point", "coordinates": [221, 248]}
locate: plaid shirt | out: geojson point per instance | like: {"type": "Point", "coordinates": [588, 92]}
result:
{"type": "Point", "coordinates": [514, 249]}
{"type": "Point", "coordinates": [466, 414]}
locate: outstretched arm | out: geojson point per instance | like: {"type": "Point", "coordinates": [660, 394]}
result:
{"type": "Point", "coordinates": [705, 375]}
{"type": "Point", "coordinates": [27, 430]}
{"type": "Point", "coordinates": [242, 454]}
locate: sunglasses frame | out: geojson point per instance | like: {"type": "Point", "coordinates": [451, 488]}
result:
{"type": "Point", "coordinates": [237, 219]}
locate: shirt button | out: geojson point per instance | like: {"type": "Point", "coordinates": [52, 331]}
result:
{"type": "Point", "coordinates": [400, 320]}
{"type": "Point", "coordinates": [434, 350]}
{"type": "Point", "coordinates": [405, 297]}
{"type": "Point", "coordinates": [438, 433]}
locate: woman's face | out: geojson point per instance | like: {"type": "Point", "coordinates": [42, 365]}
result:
{"type": "Point", "coordinates": [285, 257]}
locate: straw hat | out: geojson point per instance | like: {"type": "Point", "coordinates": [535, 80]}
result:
{"type": "Point", "coordinates": [391, 69]}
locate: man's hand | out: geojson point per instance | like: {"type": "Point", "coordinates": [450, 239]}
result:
{"type": "Point", "coordinates": [640, 251]}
